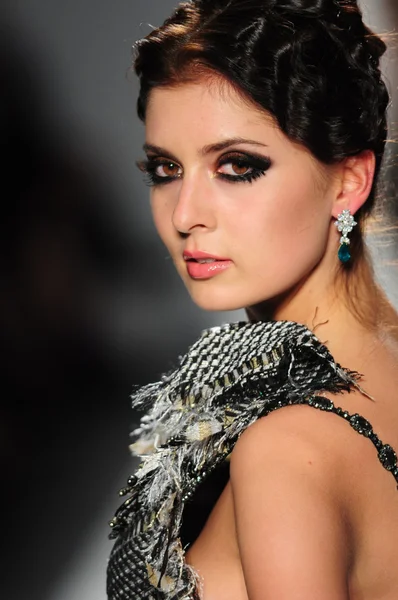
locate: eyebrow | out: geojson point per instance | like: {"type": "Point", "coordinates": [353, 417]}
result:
{"type": "Point", "coordinates": [218, 147]}
{"type": "Point", "coordinates": [210, 149]}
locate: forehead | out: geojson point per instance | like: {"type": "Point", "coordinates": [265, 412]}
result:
{"type": "Point", "coordinates": [206, 105]}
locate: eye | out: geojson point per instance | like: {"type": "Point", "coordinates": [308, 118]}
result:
{"type": "Point", "coordinates": [235, 168]}
{"type": "Point", "coordinates": [241, 167]}
{"type": "Point", "coordinates": [159, 171]}
{"type": "Point", "coordinates": [168, 169]}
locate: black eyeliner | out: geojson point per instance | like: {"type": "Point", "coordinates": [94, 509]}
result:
{"type": "Point", "coordinates": [245, 158]}
{"type": "Point", "coordinates": [148, 167]}
{"type": "Point", "coordinates": [258, 165]}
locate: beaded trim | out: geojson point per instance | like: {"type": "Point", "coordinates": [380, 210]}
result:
{"type": "Point", "coordinates": [386, 454]}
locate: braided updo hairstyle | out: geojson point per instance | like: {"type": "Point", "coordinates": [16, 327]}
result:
{"type": "Point", "coordinates": [312, 64]}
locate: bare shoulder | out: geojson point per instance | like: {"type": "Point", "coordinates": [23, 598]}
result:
{"type": "Point", "coordinates": [291, 526]}
{"type": "Point", "coordinates": [307, 490]}
{"type": "Point", "coordinates": [301, 437]}
{"type": "Point", "coordinates": [303, 440]}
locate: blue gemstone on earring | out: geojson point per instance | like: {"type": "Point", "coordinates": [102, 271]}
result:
{"type": "Point", "coordinates": [344, 253]}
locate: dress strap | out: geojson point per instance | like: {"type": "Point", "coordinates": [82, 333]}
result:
{"type": "Point", "coordinates": [386, 454]}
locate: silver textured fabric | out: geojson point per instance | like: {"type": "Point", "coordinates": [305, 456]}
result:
{"type": "Point", "coordinates": [230, 377]}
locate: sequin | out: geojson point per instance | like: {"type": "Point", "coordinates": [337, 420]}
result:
{"type": "Point", "coordinates": [320, 402]}
{"type": "Point", "coordinates": [361, 425]}
{"type": "Point", "coordinates": [388, 457]}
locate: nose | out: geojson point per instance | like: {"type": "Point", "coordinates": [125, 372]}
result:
{"type": "Point", "coordinates": [195, 206]}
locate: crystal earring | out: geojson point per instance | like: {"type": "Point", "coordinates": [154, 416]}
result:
{"type": "Point", "coordinates": [345, 224]}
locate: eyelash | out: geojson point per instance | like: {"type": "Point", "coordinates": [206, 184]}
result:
{"type": "Point", "coordinates": [258, 165]}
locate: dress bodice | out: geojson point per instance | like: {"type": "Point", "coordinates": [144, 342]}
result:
{"type": "Point", "coordinates": [230, 377]}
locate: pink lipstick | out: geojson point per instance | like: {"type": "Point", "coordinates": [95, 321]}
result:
{"type": "Point", "coordinates": [203, 265]}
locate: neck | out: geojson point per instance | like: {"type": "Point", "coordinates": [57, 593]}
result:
{"type": "Point", "coordinates": [351, 320]}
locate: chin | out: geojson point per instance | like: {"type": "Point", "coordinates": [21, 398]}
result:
{"type": "Point", "coordinates": [217, 301]}
{"type": "Point", "coordinates": [218, 307]}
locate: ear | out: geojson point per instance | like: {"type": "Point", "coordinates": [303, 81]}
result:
{"type": "Point", "coordinates": [357, 174]}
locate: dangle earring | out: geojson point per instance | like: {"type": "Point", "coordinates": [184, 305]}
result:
{"type": "Point", "coordinates": [345, 224]}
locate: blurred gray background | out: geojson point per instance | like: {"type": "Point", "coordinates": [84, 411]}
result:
{"type": "Point", "coordinates": [90, 302]}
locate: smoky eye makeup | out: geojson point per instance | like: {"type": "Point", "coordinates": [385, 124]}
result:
{"type": "Point", "coordinates": [244, 166]}
{"type": "Point", "coordinates": [159, 170]}
{"type": "Point", "coordinates": [233, 167]}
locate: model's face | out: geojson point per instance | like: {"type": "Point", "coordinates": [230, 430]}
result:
{"type": "Point", "coordinates": [230, 185]}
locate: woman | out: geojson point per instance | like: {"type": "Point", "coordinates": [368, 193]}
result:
{"type": "Point", "coordinates": [265, 133]}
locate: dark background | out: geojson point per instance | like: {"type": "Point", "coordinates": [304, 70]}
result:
{"type": "Point", "coordinates": [90, 302]}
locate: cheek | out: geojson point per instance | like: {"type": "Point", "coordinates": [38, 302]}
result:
{"type": "Point", "coordinates": [279, 226]}
{"type": "Point", "coordinates": [162, 210]}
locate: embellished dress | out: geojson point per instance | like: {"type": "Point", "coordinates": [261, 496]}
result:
{"type": "Point", "coordinates": [230, 377]}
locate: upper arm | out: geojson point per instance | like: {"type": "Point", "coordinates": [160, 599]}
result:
{"type": "Point", "coordinates": [291, 532]}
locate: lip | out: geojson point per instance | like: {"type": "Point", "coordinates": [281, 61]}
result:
{"type": "Point", "coordinates": [198, 254]}
{"type": "Point", "coordinates": [198, 270]}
